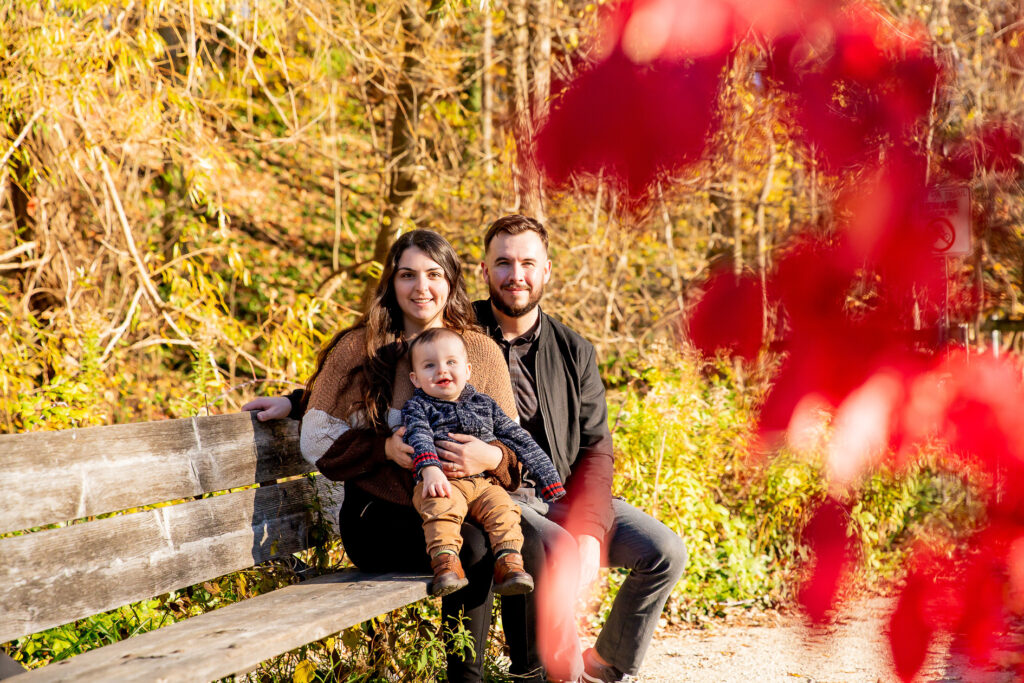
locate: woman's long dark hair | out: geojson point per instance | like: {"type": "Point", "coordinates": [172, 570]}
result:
{"type": "Point", "coordinates": [385, 329]}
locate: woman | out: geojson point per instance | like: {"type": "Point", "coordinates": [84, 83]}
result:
{"type": "Point", "coordinates": [353, 401]}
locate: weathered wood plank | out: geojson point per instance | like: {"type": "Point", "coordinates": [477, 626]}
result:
{"type": "Point", "coordinates": [238, 637]}
{"type": "Point", "coordinates": [9, 666]}
{"type": "Point", "coordinates": [51, 477]}
{"type": "Point", "coordinates": [52, 577]}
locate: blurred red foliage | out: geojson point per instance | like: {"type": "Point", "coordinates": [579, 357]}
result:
{"type": "Point", "coordinates": [996, 147]}
{"type": "Point", "coordinates": [631, 121]}
{"type": "Point", "coordinates": [728, 316]}
{"type": "Point", "coordinates": [858, 87]}
{"type": "Point", "coordinates": [930, 601]}
{"type": "Point", "coordinates": [856, 82]}
{"type": "Point", "coordinates": [833, 550]}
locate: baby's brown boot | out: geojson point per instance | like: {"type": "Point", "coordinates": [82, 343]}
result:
{"type": "Point", "coordinates": [510, 578]}
{"type": "Point", "coordinates": [448, 574]}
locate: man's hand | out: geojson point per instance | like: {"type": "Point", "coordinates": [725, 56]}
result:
{"type": "Point", "coordinates": [465, 455]}
{"type": "Point", "coordinates": [435, 484]}
{"type": "Point", "coordinates": [398, 451]}
{"type": "Point", "coordinates": [269, 407]}
{"type": "Point", "coordinates": [590, 560]}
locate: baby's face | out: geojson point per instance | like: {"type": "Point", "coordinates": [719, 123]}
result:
{"type": "Point", "coordinates": [440, 368]}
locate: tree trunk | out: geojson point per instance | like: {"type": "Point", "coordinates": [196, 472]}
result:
{"type": "Point", "coordinates": [170, 232]}
{"type": "Point", "coordinates": [402, 154]}
{"type": "Point", "coordinates": [19, 180]}
{"type": "Point", "coordinates": [487, 93]}
{"type": "Point", "coordinates": [541, 59]}
{"type": "Point", "coordinates": [762, 241]}
{"type": "Point", "coordinates": [670, 246]}
{"type": "Point", "coordinates": [719, 223]}
{"type": "Point", "coordinates": [737, 222]}
{"type": "Point", "coordinates": [525, 174]}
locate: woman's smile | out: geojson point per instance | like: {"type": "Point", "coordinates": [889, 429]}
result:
{"type": "Point", "coordinates": [421, 290]}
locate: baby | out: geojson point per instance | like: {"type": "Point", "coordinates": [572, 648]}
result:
{"type": "Point", "coordinates": [443, 403]}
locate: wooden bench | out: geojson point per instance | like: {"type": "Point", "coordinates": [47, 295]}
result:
{"type": "Point", "coordinates": [54, 576]}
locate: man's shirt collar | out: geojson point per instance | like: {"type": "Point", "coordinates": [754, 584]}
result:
{"type": "Point", "coordinates": [531, 334]}
{"type": "Point", "coordinates": [487, 319]}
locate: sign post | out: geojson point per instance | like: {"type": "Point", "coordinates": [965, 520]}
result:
{"type": "Point", "coordinates": [947, 215]}
{"type": "Point", "coordinates": [947, 211]}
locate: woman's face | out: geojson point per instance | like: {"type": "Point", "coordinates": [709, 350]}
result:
{"type": "Point", "coordinates": [421, 290]}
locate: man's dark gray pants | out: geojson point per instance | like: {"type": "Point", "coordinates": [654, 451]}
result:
{"type": "Point", "coordinates": [656, 558]}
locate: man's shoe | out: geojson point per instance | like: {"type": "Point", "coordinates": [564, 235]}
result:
{"type": "Point", "coordinates": [510, 578]}
{"type": "Point", "coordinates": [596, 672]}
{"type": "Point", "coordinates": [448, 574]}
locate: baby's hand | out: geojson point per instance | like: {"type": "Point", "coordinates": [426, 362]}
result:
{"type": "Point", "coordinates": [435, 484]}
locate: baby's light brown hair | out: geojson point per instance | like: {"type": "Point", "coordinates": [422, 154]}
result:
{"type": "Point", "coordinates": [431, 336]}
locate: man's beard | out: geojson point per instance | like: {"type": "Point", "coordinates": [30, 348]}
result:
{"type": "Point", "coordinates": [515, 311]}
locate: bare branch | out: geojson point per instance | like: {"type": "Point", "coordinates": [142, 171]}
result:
{"type": "Point", "coordinates": [21, 136]}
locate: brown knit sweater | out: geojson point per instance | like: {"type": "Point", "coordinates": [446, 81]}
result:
{"type": "Point", "coordinates": [334, 431]}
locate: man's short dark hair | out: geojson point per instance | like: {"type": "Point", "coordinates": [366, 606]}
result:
{"type": "Point", "coordinates": [515, 224]}
{"type": "Point", "coordinates": [433, 334]}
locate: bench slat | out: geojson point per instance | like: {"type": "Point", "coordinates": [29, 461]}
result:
{"type": "Point", "coordinates": [238, 637]}
{"type": "Point", "coordinates": [52, 477]}
{"type": "Point", "coordinates": [9, 666]}
{"type": "Point", "coordinates": [52, 577]}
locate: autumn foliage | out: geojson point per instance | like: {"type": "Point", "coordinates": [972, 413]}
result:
{"type": "Point", "coordinates": [858, 87]}
{"type": "Point", "coordinates": [193, 196]}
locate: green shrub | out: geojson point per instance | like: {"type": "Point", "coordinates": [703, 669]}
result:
{"type": "Point", "coordinates": [681, 455]}
{"type": "Point", "coordinates": [684, 453]}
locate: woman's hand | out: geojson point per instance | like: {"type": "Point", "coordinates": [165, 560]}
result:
{"type": "Point", "coordinates": [466, 455]}
{"type": "Point", "coordinates": [398, 451]}
{"type": "Point", "coordinates": [270, 407]}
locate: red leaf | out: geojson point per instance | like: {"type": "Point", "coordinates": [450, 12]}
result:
{"type": "Point", "coordinates": [728, 316]}
{"type": "Point", "coordinates": [910, 632]}
{"type": "Point", "coordinates": [833, 552]}
{"type": "Point", "coordinates": [631, 122]}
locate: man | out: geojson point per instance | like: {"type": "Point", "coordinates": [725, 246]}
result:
{"type": "Point", "coordinates": [561, 402]}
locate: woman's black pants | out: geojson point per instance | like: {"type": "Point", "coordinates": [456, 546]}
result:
{"type": "Point", "coordinates": [380, 536]}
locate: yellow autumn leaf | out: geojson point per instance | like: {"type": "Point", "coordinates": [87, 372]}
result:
{"type": "Point", "coordinates": [305, 672]}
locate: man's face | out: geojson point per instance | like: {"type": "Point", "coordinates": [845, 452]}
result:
{"type": "Point", "coordinates": [516, 268]}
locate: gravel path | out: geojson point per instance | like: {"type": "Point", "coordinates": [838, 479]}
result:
{"type": "Point", "coordinates": [778, 647]}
